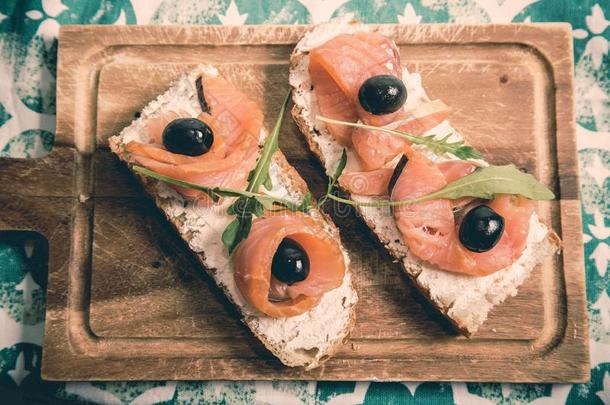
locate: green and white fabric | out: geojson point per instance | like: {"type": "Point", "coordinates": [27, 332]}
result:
{"type": "Point", "coordinates": [28, 59]}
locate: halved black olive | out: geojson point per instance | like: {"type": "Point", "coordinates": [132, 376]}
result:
{"type": "Point", "coordinates": [205, 107]}
{"type": "Point", "coordinates": [400, 166]}
{"type": "Point", "coordinates": [290, 263]}
{"type": "Point", "coordinates": [383, 94]}
{"type": "Point", "coordinates": [188, 136]}
{"type": "Point", "coordinates": [481, 229]}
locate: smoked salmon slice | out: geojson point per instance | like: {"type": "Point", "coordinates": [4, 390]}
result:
{"type": "Point", "coordinates": [338, 68]}
{"type": "Point", "coordinates": [236, 123]}
{"type": "Point", "coordinates": [455, 169]}
{"type": "Point", "coordinates": [236, 114]}
{"type": "Point", "coordinates": [254, 255]}
{"type": "Point", "coordinates": [430, 229]}
{"type": "Point", "coordinates": [376, 182]}
{"type": "Point", "coordinates": [376, 148]}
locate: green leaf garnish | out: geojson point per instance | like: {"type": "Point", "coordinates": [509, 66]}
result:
{"type": "Point", "coordinates": [438, 146]}
{"type": "Point", "coordinates": [306, 203]}
{"type": "Point", "coordinates": [485, 182]}
{"type": "Point", "coordinates": [334, 178]}
{"type": "Point", "coordinates": [259, 175]}
{"type": "Point", "coordinates": [338, 171]}
{"type": "Point", "coordinates": [216, 192]}
{"type": "Point", "coordinates": [268, 183]}
{"type": "Point", "coordinates": [229, 235]}
{"type": "Point", "coordinates": [255, 204]}
{"type": "Point", "coordinates": [238, 207]}
{"type": "Point", "coordinates": [266, 202]}
{"type": "Point", "coordinates": [235, 231]}
{"type": "Point", "coordinates": [257, 208]}
{"type": "Point", "coordinates": [212, 192]}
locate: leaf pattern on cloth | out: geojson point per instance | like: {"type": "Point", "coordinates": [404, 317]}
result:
{"type": "Point", "coordinates": [28, 60]}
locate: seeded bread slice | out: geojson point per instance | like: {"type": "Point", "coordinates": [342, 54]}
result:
{"type": "Point", "coordinates": [306, 340]}
{"type": "Point", "coordinates": [464, 300]}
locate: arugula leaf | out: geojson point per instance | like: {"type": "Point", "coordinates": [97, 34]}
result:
{"type": "Point", "coordinates": [467, 152]}
{"type": "Point", "coordinates": [257, 208]}
{"type": "Point", "coordinates": [338, 171]}
{"type": "Point", "coordinates": [266, 202]}
{"type": "Point", "coordinates": [227, 192]}
{"type": "Point", "coordinates": [238, 207]}
{"type": "Point", "coordinates": [456, 148]}
{"type": "Point", "coordinates": [260, 173]}
{"type": "Point", "coordinates": [254, 204]}
{"type": "Point", "coordinates": [334, 178]}
{"type": "Point", "coordinates": [268, 183]}
{"type": "Point", "coordinates": [305, 204]}
{"type": "Point", "coordinates": [244, 208]}
{"type": "Point", "coordinates": [214, 193]}
{"type": "Point", "coordinates": [486, 182]}
{"type": "Point", "coordinates": [229, 235]}
{"type": "Point", "coordinates": [438, 146]}
{"type": "Point", "coordinates": [236, 231]}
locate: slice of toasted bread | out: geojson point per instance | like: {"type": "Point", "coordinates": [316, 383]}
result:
{"type": "Point", "coordinates": [305, 340]}
{"type": "Point", "coordinates": [464, 300]}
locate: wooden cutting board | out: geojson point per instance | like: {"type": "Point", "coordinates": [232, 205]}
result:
{"type": "Point", "coordinates": [126, 301]}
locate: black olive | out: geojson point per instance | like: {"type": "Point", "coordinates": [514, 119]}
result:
{"type": "Point", "coordinates": [481, 229]}
{"type": "Point", "coordinates": [400, 166]}
{"type": "Point", "coordinates": [290, 263]}
{"type": "Point", "coordinates": [383, 94]}
{"type": "Point", "coordinates": [188, 136]}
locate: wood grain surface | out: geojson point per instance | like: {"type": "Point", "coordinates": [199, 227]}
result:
{"type": "Point", "coordinates": [126, 300]}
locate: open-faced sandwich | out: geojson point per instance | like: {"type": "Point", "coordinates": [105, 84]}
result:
{"type": "Point", "coordinates": [245, 213]}
{"type": "Point", "coordinates": [465, 232]}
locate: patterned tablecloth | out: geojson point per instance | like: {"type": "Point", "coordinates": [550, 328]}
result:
{"type": "Point", "coordinates": [28, 56]}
